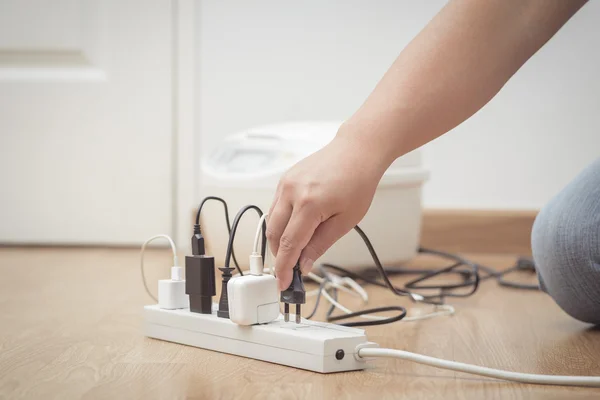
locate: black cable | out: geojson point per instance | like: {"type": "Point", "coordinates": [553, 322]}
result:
{"type": "Point", "coordinates": [371, 311]}
{"type": "Point", "coordinates": [431, 274]}
{"type": "Point", "coordinates": [330, 318]}
{"type": "Point", "coordinates": [391, 271]}
{"type": "Point", "coordinates": [395, 290]}
{"type": "Point", "coordinates": [471, 276]}
{"type": "Point", "coordinates": [522, 264]}
{"type": "Point", "coordinates": [227, 221]}
{"type": "Point", "coordinates": [444, 289]}
{"type": "Point", "coordinates": [236, 222]}
{"type": "Point", "coordinates": [435, 299]}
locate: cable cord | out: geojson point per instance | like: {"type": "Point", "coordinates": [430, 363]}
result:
{"type": "Point", "coordinates": [439, 310]}
{"type": "Point", "coordinates": [261, 224]}
{"type": "Point", "coordinates": [522, 265]}
{"type": "Point", "coordinates": [589, 381]}
{"type": "Point", "coordinates": [234, 227]}
{"type": "Point", "coordinates": [227, 221]}
{"type": "Point", "coordinates": [354, 288]}
{"type": "Point", "coordinates": [472, 276]}
{"type": "Point", "coordinates": [146, 243]}
{"type": "Point", "coordinates": [384, 321]}
{"type": "Point", "coordinates": [373, 320]}
{"type": "Point", "coordinates": [325, 283]}
{"type": "Point", "coordinates": [393, 289]}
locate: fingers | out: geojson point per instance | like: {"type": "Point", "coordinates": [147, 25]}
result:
{"type": "Point", "coordinates": [277, 220]}
{"type": "Point", "coordinates": [323, 238]}
{"type": "Point", "coordinates": [297, 234]}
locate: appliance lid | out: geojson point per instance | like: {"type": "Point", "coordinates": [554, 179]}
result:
{"type": "Point", "coordinates": [259, 156]}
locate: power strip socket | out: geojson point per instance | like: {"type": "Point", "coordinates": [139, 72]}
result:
{"type": "Point", "coordinates": [313, 346]}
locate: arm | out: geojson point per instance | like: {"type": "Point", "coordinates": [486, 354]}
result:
{"type": "Point", "coordinates": [453, 67]}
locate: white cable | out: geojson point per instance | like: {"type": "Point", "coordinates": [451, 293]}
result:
{"type": "Point", "coordinates": [258, 231]}
{"type": "Point", "coordinates": [590, 381]}
{"type": "Point", "coordinates": [346, 310]}
{"type": "Point", "coordinates": [175, 261]}
{"type": "Point", "coordinates": [357, 288]}
{"type": "Point", "coordinates": [339, 282]}
{"type": "Point", "coordinates": [441, 309]}
{"type": "Point", "coordinates": [320, 280]}
{"type": "Point", "coordinates": [257, 264]}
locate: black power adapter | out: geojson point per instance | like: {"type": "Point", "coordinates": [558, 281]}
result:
{"type": "Point", "coordinates": [200, 276]}
{"type": "Point", "coordinates": [200, 282]}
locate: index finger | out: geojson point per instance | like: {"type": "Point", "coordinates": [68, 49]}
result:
{"type": "Point", "coordinates": [298, 232]}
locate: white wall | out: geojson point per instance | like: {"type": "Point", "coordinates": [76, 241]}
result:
{"type": "Point", "coordinates": [270, 61]}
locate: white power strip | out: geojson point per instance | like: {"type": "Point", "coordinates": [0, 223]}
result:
{"type": "Point", "coordinates": [314, 346]}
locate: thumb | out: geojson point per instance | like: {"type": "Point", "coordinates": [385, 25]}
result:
{"type": "Point", "coordinates": [325, 236]}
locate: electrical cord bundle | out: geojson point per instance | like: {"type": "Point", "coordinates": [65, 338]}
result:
{"type": "Point", "coordinates": [468, 271]}
{"type": "Point", "coordinates": [471, 280]}
{"type": "Point", "coordinates": [471, 275]}
{"type": "Point", "coordinates": [418, 289]}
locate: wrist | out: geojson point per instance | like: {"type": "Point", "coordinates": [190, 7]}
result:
{"type": "Point", "coordinates": [381, 146]}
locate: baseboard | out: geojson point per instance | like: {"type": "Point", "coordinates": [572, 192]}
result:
{"type": "Point", "coordinates": [476, 231]}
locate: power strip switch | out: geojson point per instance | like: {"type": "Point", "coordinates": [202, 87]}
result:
{"type": "Point", "coordinates": [309, 345]}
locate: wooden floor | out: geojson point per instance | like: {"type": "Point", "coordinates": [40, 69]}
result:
{"type": "Point", "coordinates": [70, 327]}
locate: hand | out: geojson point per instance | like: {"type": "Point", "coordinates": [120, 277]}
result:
{"type": "Point", "coordinates": [319, 200]}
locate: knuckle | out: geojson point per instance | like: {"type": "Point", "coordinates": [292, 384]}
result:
{"type": "Point", "coordinates": [306, 200]}
{"type": "Point", "coordinates": [286, 244]}
{"type": "Point", "coordinates": [271, 234]}
{"type": "Point", "coordinates": [287, 184]}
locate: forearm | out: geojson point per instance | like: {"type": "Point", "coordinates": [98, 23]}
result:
{"type": "Point", "coordinates": [453, 68]}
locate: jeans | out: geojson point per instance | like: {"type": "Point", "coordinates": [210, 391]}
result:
{"type": "Point", "coordinates": [565, 242]}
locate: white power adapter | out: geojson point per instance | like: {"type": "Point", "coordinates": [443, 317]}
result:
{"type": "Point", "coordinates": [253, 299]}
{"type": "Point", "coordinates": [171, 292]}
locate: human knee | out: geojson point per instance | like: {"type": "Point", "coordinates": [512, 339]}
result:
{"type": "Point", "coordinates": [566, 249]}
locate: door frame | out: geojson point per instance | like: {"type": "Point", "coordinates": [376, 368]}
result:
{"type": "Point", "coordinates": [184, 139]}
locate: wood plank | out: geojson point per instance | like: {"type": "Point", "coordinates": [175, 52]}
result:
{"type": "Point", "coordinates": [70, 328]}
{"type": "Point", "coordinates": [474, 231]}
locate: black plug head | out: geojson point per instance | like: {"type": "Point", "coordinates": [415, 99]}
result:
{"type": "Point", "coordinates": [295, 293]}
{"type": "Point", "coordinates": [223, 311]}
{"type": "Point", "coordinates": [198, 242]}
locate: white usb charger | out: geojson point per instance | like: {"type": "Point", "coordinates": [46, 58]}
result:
{"type": "Point", "coordinates": [253, 298]}
{"type": "Point", "coordinates": [171, 292]}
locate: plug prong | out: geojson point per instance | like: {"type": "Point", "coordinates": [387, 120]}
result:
{"type": "Point", "coordinates": [286, 312]}
{"type": "Point", "coordinates": [298, 316]}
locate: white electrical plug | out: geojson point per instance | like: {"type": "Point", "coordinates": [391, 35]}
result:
{"type": "Point", "coordinates": [254, 298]}
{"type": "Point", "coordinates": [171, 292]}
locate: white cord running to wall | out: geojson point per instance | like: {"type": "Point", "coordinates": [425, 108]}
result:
{"type": "Point", "coordinates": [590, 381]}
{"type": "Point", "coordinates": [175, 262]}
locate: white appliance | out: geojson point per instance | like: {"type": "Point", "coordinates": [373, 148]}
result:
{"type": "Point", "coordinates": [246, 167]}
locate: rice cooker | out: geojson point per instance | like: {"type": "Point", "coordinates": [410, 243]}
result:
{"type": "Point", "coordinates": [245, 168]}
